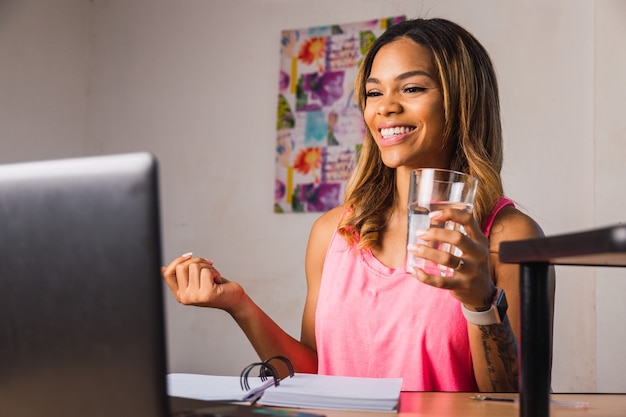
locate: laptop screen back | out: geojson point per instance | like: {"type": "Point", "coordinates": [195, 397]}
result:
{"type": "Point", "coordinates": [81, 309]}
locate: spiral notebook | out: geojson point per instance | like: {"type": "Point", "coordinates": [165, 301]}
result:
{"type": "Point", "coordinates": [298, 390]}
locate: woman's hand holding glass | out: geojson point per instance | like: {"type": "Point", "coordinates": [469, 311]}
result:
{"type": "Point", "coordinates": [471, 282]}
{"type": "Point", "coordinates": [195, 281]}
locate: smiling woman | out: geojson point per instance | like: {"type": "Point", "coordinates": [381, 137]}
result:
{"type": "Point", "coordinates": [429, 98]}
{"type": "Point", "coordinates": [366, 313]}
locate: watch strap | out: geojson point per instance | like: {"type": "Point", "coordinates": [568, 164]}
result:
{"type": "Point", "coordinates": [494, 315]}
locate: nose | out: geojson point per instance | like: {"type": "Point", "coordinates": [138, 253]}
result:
{"type": "Point", "coordinates": [389, 104]}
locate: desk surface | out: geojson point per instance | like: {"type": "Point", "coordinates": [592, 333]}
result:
{"type": "Point", "coordinates": [448, 404]}
{"type": "Point", "coordinates": [451, 404]}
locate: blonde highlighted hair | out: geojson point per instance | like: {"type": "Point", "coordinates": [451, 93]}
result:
{"type": "Point", "coordinates": [472, 124]}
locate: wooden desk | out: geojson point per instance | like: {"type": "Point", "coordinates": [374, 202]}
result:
{"type": "Point", "coordinates": [434, 404]}
{"type": "Point", "coordinates": [450, 404]}
{"type": "Point", "coordinates": [599, 247]}
{"type": "Point", "coordinates": [459, 404]}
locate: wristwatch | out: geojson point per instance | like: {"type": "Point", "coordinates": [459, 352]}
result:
{"type": "Point", "coordinates": [494, 315]}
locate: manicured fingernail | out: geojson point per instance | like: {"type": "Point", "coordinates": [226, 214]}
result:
{"type": "Point", "coordinates": [208, 260]}
{"type": "Point", "coordinates": [187, 255]}
{"type": "Point", "coordinates": [435, 213]}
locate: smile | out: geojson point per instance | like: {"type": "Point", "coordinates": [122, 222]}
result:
{"type": "Point", "coordinates": [394, 131]}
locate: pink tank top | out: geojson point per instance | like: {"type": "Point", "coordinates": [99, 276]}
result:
{"type": "Point", "coordinates": [375, 321]}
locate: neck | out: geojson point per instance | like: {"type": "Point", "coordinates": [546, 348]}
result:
{"type": "Point", "coordinates": [403, 177]}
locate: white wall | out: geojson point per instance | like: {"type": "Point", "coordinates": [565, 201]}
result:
{"type": "Point", "coordinates": [195, 83]}
{"type": "Point", "coordinates": [609, 197]}
{"type": "Point", "coordinates": [44, 52]}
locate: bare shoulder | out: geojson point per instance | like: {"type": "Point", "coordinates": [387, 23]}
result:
{"type": "Point", "coordinates": [319, 241]}
{"type": "Point", "coordinates": [321, 233]}
{"type": "Point", "coordinates": [326, 224]}
{"type": "Point", "coordinates": [512, 224]}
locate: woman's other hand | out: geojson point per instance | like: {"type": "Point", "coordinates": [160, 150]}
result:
{"type": "Point", "coordinates": [195, 281]}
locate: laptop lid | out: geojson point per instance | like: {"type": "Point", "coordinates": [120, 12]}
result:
{"type": "Point", "coordinates": [81, 308]}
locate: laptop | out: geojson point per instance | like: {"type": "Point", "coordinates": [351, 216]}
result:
{"type": "Point", "coordinates": [81, 310]}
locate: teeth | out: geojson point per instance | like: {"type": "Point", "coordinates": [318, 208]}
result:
{"type": "Point", "coordinates": [393, 131]}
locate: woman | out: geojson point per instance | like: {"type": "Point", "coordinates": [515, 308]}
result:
{"type": "Point", "coordinates": [429, 98]}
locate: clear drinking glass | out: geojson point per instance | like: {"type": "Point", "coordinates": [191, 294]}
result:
{"type": "Point", "coordinates": [433, 189]}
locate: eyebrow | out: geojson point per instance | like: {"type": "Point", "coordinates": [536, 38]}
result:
{"type": "Point", "coordinates": [402, 76]}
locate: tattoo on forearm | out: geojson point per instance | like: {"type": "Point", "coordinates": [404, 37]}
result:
{"type": "Point", "coordinates": [501, 339]}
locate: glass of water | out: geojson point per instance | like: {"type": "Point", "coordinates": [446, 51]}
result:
{"type": "Point", "coordinates": [434, 189]}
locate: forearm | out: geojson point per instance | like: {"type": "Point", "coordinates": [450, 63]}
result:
{"type": "Point", "coordinates": [495, 357]}
{"type": "Point", "coordinates": [269, 340]}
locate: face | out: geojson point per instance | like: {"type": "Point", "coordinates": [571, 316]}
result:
{"type": "Point", "coordinates": [404, 107]}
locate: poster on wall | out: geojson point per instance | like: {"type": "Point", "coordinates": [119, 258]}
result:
{"type": "Point", "coordinates": [319, 125]}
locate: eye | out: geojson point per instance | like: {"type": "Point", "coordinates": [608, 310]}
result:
{"type": "Point", "coordinates": [415, 89]}
{"type": "Point", "coordinates": [372, 93]}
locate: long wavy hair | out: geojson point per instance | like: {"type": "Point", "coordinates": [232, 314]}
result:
{"type": "Point", "coordinates": [472, 125]}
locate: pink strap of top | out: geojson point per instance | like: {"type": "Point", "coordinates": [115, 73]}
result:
{"type": "Point", "coordinates": [500, 204]}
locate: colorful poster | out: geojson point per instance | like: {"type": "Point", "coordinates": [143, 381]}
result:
{"type": "Point", "coordinates": [319, 124]}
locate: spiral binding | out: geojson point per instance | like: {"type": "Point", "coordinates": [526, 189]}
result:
{"type": "Point", "coordinates": [266, 371]}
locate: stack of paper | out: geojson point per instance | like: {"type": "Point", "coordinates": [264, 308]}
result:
{"type": "Point", "coordinates": [335, 392]}
{"type": "Point", "coordinates": [300, 391]}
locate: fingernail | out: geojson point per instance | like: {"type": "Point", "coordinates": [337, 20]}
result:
{"type": "Point", "coordinates": [209, 260]}
{"type": "Point", "coordinates": [187, 255]}
{"type": "Point", "coordinates": [435, 213]}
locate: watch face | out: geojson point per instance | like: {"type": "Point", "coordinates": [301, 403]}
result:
{"type": "Point", "coordinates": [501, 303]}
